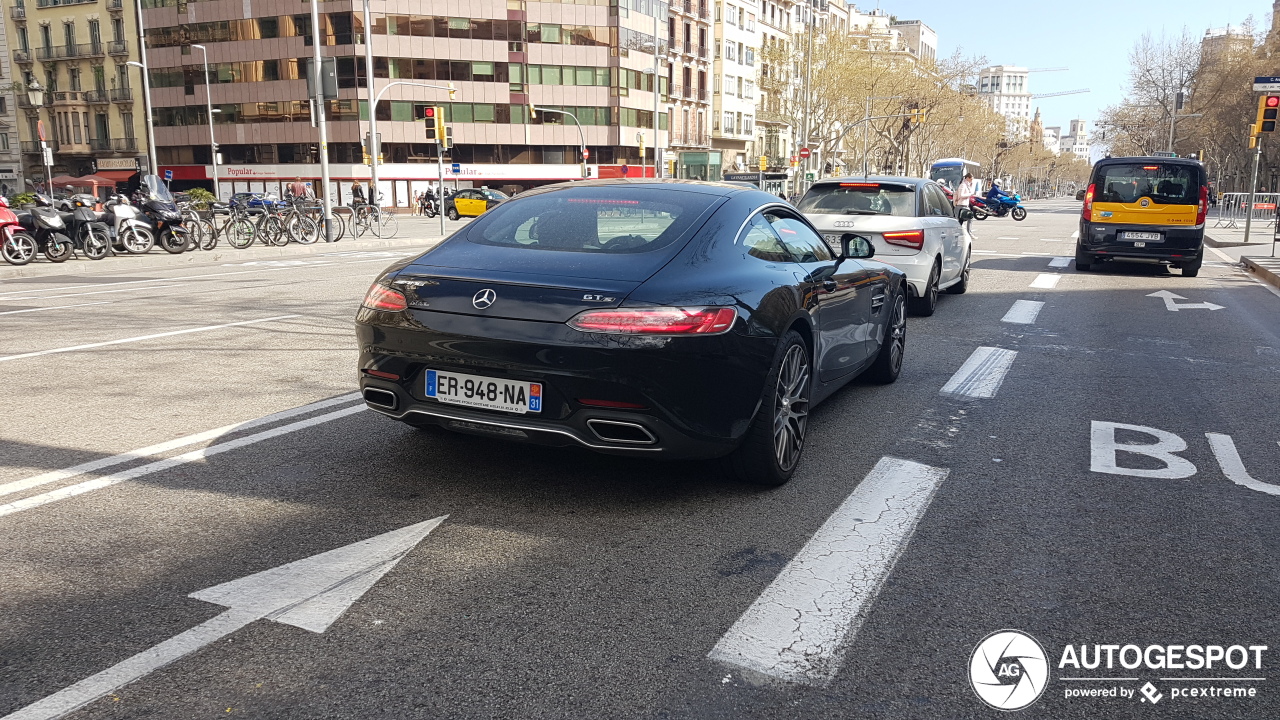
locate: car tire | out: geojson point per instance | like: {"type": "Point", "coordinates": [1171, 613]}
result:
{"type": "Point", "coordinates": [888, 363]}
{"type": "Point", "coordinates": [1084, 261]}
{"type": "Point", "coordinates": [1192, 268]}
{"type": "Point", "coordinates": [925, 305]}
{"type": "Point", "coordinates": [451, 213]}
{"type": "Point", "coordinates": [962, 286]}
{"type": "Point", "coordinates": [771, 449]}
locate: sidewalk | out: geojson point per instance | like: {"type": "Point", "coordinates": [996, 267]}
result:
{"type": "Point", "coordinates": [1266, 269]}
{"type": "Point", "coordinates": [413, 232]}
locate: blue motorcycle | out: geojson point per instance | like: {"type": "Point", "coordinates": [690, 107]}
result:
{"type": "Point", "coordinates": [1000, 206]}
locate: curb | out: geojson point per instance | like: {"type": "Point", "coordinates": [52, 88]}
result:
{"type": "Point", "coordinates": [126, 263]}
{"type": "Point", "coordinates": [1266, 269]}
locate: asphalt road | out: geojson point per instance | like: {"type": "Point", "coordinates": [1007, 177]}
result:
{"type": "Point", "coordinates": [565, 584]}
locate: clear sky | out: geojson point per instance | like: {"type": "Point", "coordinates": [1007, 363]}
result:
{"type": "Point", "coordinates": [1092, 39]}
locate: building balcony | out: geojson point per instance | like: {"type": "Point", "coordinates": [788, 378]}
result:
{"type": "Point", "coordinates": [67, 97]}
{"type": "Point", "coordinates": [690, 139]}
{"type": "Point", "coordinates": [67, 52]}
{"type": "Point", "coordinates": [18, 12]}
{"type": "Point", "coordinates": [702, 94]}
{"type": "Point", "coordinates": [100, 144]}
{"type": "Point", "coordinates": [60, 3]}
{"type": "Point", "coordinates": [687, 5]}
{"type": "Point", "coordinates": [22, 56]}
{"type": "Point", "coordinates": [118, 47]}
{"type": "Point", "coordinates": [702, 11]}
{"type": "Point", "coordinates": [30, 146]}
{"type": "Point", "coordinates": [125, 145]}
{"type": "Point", "coordinates": [687, 48]}
{"type": "Point", "coordinates": [96, 97]}
{"type": "Point", "coordinates": [122, 95]}
{"type": "Point", "coordinates": [702, 52]}
{"type": "Point", "coordinates": [115, 5]}
{"type": "Point", "coordinates": [677, 91]}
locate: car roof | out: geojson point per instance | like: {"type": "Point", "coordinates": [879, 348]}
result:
{"type": "Point", "coordinates": [901, 179]}
{"type": "Point", "coordinates": [1147, 158]}
{"type": "Point", "coordinates": [698, 186]}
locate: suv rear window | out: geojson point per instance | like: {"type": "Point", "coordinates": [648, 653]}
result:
{"type": "Point", "coordinates": [860, 198]}
{"type": "Point", "coordinates": [623, 220]}
{"type": "Point", "coordinates": [1165, 184]}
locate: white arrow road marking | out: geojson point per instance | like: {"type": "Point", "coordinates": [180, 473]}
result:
{"type": "Point", "coordinates": [80, 488]}
{"type": "Point", "coordinates": [1060, 262]}
{"type": "Point", "coordinates": [1224, 448]}
{"type": "Point", "coordinates": [1169, 303]}
{"type": "Point", "coordinates": [153, 450]}
{"type": "Point", "coordinates": [801, 626]}
{"type": "Point", "coordinates": [309, 593]}
{"type": "Point", "coordinates": [982, 374]}
{"type": "Point", "coordinates": [140, 338]}
{"type": "Point", "coordinates": [1023, 312]}
{"type": "Point", "coordinates": [1046, 280]}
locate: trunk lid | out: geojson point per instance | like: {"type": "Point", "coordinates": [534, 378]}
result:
{"type": "Point", "coordinates": [509, 295]}
{"type": "Point", "coordinates": [868, 226]}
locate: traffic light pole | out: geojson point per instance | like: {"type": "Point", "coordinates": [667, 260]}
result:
{"type": "Point", "coordinates": [1253, 184]}
{"type": "Point", "coordinates": [373, 114]}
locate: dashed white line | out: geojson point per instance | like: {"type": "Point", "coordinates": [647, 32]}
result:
{"type": "Point", "coordinates": [140, 338]}
{"type": "Point", "coordinates": [81, 488]}
{"type": "Point", "coordinates": [1023, 312]}
{"type": "Point", "coordinates": [1046, 280]}
{"type": "Point", "coordinates": [153, 450]}
{"type": "Point", "coordinates": [1008, 237]}
{"type": "Point", "coordinates": [982, 374]}
{"type": "Point", "coordinates": [1060, 262]}
{"type": "Point", "coordinates": [801, 626]}
{"type": "Point", "coordinates": [1050, 239]}
{"type": "Point", "coordinates": [95, 292]}
{"type": "Point", "coordinates": [985, 252]}
{"type": "Point", "coordinates": [56, 307]}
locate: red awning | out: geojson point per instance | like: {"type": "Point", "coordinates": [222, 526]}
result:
{"type": "Point", "coordinates": [63, 180]}
{"type": "Point", "coordinates": [115, 176]}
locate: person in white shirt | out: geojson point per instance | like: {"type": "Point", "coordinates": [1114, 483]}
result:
{"type": "Point", "coordinates": [964, 197]}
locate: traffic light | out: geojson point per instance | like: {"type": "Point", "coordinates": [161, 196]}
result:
{"type": "Point", "coordinates": [448, 138]}
{"type": "Point", "coordinates": [433, 115]}
{"type": "Point", "coordinates": [1268, 113]}
{"type": "Point", "coordinates": [533, 112]}
{"type": "Point", "coordinates": [917, 116]}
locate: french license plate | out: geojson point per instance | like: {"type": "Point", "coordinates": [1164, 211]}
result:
{"type": "Point", "coordinates": [484, 392]}
{"type": "Point", "coordinates": [1148, 236]}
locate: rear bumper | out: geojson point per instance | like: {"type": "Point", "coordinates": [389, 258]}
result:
{"type": "Point", "coordinates": [1176, 244]}
{"type": "Point", "coordinates": [916, 267]}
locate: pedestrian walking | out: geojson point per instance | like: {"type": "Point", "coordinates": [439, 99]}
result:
{"type": "Point", "coordinates": [357, 194]}
{"type": "Point", "coordinates": [964, 199]}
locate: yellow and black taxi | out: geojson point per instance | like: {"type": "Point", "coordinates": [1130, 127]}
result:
{"type": "Point", "coordinates": [1148, 208]}
{"type": "Point", "coordinates": [472, 202]}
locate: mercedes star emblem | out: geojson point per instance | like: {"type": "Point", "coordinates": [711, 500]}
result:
{"type": "Point", "coordinates": [484, 298]}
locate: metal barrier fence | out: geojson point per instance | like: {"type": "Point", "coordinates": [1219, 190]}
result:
{"type": "Point", "coordinates": [1233, 208]}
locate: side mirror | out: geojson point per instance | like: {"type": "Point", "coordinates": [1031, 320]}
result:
{"type": "Point", "coordinates": [964, 214]}
{"type": "Point", "coordinates": [856, 247]}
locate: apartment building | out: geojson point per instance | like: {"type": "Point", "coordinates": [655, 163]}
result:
{"type": "Point", "coordinates": [737, 50]}
{"type": "Point", "coordinates": [76, 51]}
{"type": "Point", "coordinates": [12, 179]}
{"type": "Point", "coordinates": [772, 136]}
{"type": "Point", "coordinates": [1004, 87]}
{"type": "Point", "coordinates": [593, 59]}
{"type": "Point", "coordinates": [689, 73]}
{"type": "Point", "coordinates": [1076, 141]}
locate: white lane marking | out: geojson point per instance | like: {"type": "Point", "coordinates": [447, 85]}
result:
{"type": "Point", "coordinates": [56, 307]}
{"type": "Point", "coordinates": [982, 374]}
{"type": "Point", "coordinates": [1050, 239]}
{"type": "Point", "coordinates": [1224, 449]}
{"type": "Point", "coordinates": [1060, 262]}
{"type": "Point", "coordinates": [1008, 237]}
{"type": "Point", "coordinates": [96, 292]}
{"type": "Point", "coordinates": [153, 450]}
{"type": "Point", "coordinates": [1075, 235]}
{"type": "Point", "coordinates": [802, 625]}
{"type": "Point", "coordinates": [309, 593]}
{"type": "Point", "coordinates": [1037, 254]}
{"type": "Point", "coordinates": [1264, 284]}
{"type": "Point", "coordinates": [984, 252]}
{"type": "Point", "coordinates": [140, 338]}
{"type": "Point", "coordinates": [69, 491]}
{"type": "Point", "coordinates": [1046, 280]}
{"type": "Point", "coordinates": [1222, 255]}
{"type": "Point", "coordinates": [1023, 312]}
{"type": "Point", "coordinates": [1103, 448]}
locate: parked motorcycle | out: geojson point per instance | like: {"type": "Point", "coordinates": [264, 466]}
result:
{"type": "Point", "coordinates": [1007, 205]}
{"type": "Point", "coordinates": [160, 212]}
{"type": "Point", "coordinates": [128, 233]}
{"type": "Point", "coordinates": [89, 234]}
{"type": "Point", "coordinates": [16, 246]}
{"type": "Point", "coordinates": [44, 223]}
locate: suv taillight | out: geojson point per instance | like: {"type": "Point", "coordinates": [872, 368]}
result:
{"type": "Point", "coordinates": [1203, 211]}
{"type": "Point", "coordinates": [1087, 211]}
{"type": "Point", "coordinates": [905, 238]}
{"type": "Point", "coordinates": [657, 321]}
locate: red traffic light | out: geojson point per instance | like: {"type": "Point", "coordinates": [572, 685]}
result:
{"type": "Point", "coordinates": [1273, 101]}
{"type": "Point", "coordinates": [429, 112]}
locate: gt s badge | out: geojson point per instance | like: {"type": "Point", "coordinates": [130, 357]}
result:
{"type": "Point", "coordinates": [597, 298]}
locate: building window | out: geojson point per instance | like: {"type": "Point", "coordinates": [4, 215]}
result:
{"type": "Point", "coordinates": [126, 118]}
{"type": "Point", "coordinates": [73, 74]}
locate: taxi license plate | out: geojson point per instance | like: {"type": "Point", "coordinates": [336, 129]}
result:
{"type": "Point", "coordinates": [484, 392]}
{"type": "Point", "coordinates": [1146, 236]}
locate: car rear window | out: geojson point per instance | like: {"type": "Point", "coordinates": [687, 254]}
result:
{"type": "Point", "coordinates": [601, 220]}
{"type": "Point", "coordinates": [1165, 184]}
{"type": "Point", "coordinates": [860, 198]}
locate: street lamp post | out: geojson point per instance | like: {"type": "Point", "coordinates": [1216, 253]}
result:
{"type": "Point", "coordinates": [146, 90]}
{"type": "Point", "coordinates": [35, 95]}
{"type": "Point", "coordinates": [582, 138]}
{"type": "Point", "coordinates": [208, 102]}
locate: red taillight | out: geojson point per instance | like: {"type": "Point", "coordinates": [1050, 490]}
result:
{"type": "Point", "coordinates": [612, 404]}
{"type": "Point", "coordinates": [657, 321]}
{"type": "Point", "coordinates": [905, 238]}
{"type": "Point", "coordinates": [381, 297]}
{"type": "Point", "coordinates": [1087, 211]}
{"type": "Point", "coordinates": [381, 374]}
{"type": "Point", "coordinates": [1203, 211]}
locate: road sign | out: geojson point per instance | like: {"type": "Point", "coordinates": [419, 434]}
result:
{"type": "Point", "coordinates": [1266, 84]}
{"type": "Point", "coordinates": [310, 594]}
{"type": "Point", "coordinates": [48, 156]}
{"type": "Point", "coordinates": [586, 153]}
{"type": "Point", "coordinates": [40, 130]}
{"type": "Point", "coordinates": [795, 159]}
{"type": "Point", "coordinates": [808, 177]}
{"type": "Point", "coordinates": [457, 168]}
{"type": "Point", "coordinates": [625, 169]}
{"type": "Point", "coordinates": [168, 175]}
{"type": "Point", "coordinates": [805, 152]}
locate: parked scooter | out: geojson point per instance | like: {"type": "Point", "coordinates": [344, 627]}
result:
{"type": "Point", "coordinates": [43, 223]}
{"type": "Point", "coordinates": [128, 233]}
{"type": "Point", "coordinates": [16, 245]}
{"type": "Point", "coordinates": [160, 211]}
{"type": "Point", "coordinates": [89, 234]}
